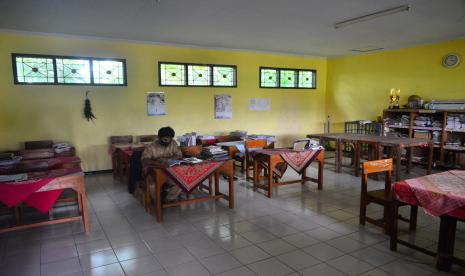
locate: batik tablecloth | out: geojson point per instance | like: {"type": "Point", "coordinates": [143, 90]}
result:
{"type": "Point", "coordinates": [12, 193]}
{"type": "Point", "coordinates": [297, 160]}
{"type": "Point", "coordinates": [438, 194]}
{"type": "Point", "coordinates": [189, 176]}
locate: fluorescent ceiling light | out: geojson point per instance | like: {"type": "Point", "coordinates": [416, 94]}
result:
{"type": "Point", "coordinates": [372, 16]}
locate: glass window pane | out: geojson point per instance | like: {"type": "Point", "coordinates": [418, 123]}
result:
{"type": "Point", "coordinates": [306, 79]}
{"type": "Point", "coordinates": [224, 76]}
{"type": "Point", "coordinates": [198, 75]}
{"type": "Point", "coordinates": [269, 78]}
{"type": "Point", "coordinates": [172, 74]}
{"type": "Point", "coordinates": [34, 70]}
{"type": "Point", "coordinates": [287, 78]}
{"type": "Point", "coordinates": [73, 70]}
{"type": "Point", "coordinates": [108, 72]}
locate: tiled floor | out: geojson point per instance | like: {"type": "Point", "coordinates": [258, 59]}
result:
{"type": "Point", "coordinates": [300, 231]}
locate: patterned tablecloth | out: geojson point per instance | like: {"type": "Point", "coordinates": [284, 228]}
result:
{"type": "Point", "coordinates": [189, 176]}
{"type": "Point", "coordinates": [438, 194]}
{"type": "Point", "coordinates": [12, 193]}
{"type": "Point", "coordinates": [297, 160]}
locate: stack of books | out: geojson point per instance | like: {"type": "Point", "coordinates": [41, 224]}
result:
{"type": "Point", "coordinates": [214, 153]}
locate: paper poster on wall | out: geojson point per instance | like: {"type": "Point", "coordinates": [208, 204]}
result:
{"type": "Point", "coordinates": [259, 104]}
{"type": "Point", "coordinates": [223, 106]}
{"type": "Point", "coordinates": [156, 105]}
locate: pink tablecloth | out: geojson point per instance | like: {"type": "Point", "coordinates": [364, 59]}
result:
{"type": "Point", "coordinates": [12, 193]}
{"type": "Point", "coordinates": [438, 194]}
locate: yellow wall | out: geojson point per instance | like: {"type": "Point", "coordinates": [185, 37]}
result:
{"type": "Point", "coordinates": [358, 86]}
{"type": "Point", "coordinates": [55, 112]}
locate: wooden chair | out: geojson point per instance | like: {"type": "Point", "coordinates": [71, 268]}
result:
{"type": "Point", "coordinates": [118, 165]}
{"type": "Point", "coordinates": [382, 197]}
{"type": "Point", "coordinates": [146, 138]}
{"type": "Point", "coordinates": [245, 160]}
{"type": "Point", "coordinates": [191, 151]}
{"type": "Point", "coordinates": [42, 144]}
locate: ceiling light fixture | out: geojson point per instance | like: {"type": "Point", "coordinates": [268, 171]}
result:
{"type": "Point", "coordinates": [372, 16]}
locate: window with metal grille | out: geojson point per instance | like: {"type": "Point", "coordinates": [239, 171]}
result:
{"type": "Point", "coordinates": [68, 70]}
{"type": "Point", "coordinates": [200, 75]}
{"type": "Point", "coordinates": [287, 78]}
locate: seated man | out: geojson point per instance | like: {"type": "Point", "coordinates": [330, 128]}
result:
{"type": "Point", "coordinates": [160, 151]}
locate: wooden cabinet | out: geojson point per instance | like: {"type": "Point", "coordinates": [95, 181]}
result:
{"type": "Point", "coordinates": [445, 127]}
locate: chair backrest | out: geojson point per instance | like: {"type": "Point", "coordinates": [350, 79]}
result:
{"type": "Point", "coordinates": [191, 151]}
{"type": "Point", "coordinates": [253, 144]}
{"type": "Point", "coordinates": [42, 144]}
{"type": "Point", "coordinates": [226, 138]}
{"type": "Point", "coordinates": [146, 138]}
{"type": "Point", "coordinates": [121, 139]}
{"type": "Point", "coordinates": [377, 166]}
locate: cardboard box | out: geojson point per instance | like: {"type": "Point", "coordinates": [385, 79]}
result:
{"type": "Point", "coordinates": [422, 134]}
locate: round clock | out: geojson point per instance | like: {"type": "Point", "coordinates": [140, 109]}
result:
{"type": "Point", "coordinates": [451, 60]}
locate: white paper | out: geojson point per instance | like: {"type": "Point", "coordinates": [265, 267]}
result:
{"type": "Point", "coordinates": [223, 107]}
{"type": "Point", "coordinates": [156, 104]}
{"type": "Point", "coordinates": [259, 104]}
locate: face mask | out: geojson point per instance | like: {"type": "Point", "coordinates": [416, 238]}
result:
{"type": "Point", "coordinates": [165, 144]}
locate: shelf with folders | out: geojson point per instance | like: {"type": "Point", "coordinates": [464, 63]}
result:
{"type": "Point", "coordinates": [446, 128]}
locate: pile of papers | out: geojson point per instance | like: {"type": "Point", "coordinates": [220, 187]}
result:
{"type": "Point", "coordinates": [188, 139]}
{"type": "Point", "coordinates": [455, 121]}
{"type": "Point", "coordinates": [61, 147]}
{"type": "Point", "coordinates": [215, 153]}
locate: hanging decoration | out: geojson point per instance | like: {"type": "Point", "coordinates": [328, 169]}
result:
{"type": "Point", "coordinates": [88, 109]}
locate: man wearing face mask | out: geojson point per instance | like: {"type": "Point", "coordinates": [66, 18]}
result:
{"type": "Point", "coordinates": [159, 152]}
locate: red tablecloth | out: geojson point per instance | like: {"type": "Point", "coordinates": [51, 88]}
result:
{"type": "Point", "coordinates": [298, 160]}
{"type": "Point", "coordinates": [39, 164]}
{"type": "Point", "coordinates": [189, 176]}
{"type": "Point", "coordinates": [12, 193]}
{"type": "Point", "coordinates": [438, 194]}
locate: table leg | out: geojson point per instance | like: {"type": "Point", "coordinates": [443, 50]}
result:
{"type": "Point", "coordinates": [339, 156]}
{"type": "Point", "coordinates": [270, 178]}
{"type": "Point", "coordinates": [304, 175]}
{"type": "Point", "coordinates": [321, 163]}
{"type": "Point", "coordinates": [158, 203]}
{"type": "Point", "coordinates": [446, 243]}
{"type": "Point", "coordinates": [398, 152]}
{"type": "Point", "coordinates": [409, 159]}
{"type": "Point", "coordinates": [231, 188]}
{"type": "Point", "coordinates": [217, 184]}
{"type": "Point", "coordinates": [255, 174]}
{"type": "Point", "coordinates": [392, 226]}
{"type": "Point", "coordinates": [430, 157]}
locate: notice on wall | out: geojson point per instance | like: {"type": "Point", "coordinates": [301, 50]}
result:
{"type": "Point", "coordinates": [259, 104]}
{"type": "Point", "coordinates": [156, 105]}
{"type": "Point", "coordinates": [223, 106]}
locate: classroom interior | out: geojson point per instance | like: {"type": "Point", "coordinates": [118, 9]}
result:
{"type": "Point", "coordinates": [76, 198]}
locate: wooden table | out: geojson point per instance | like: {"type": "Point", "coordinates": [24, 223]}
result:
{"type": "Point", "coordinates": [394, 144]}
{"type": "Point", "coordinates": [231, 147]}
{"type": "Point", "coordinates": [160, 177]}
{"type": "Point", "coordinates": [75, 182]}
{"type": "Point", "coordinates": [271, 160]}
{"type": "Point", "coordinates": [442, 195]}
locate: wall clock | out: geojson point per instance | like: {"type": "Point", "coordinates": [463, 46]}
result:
{"type": "Point", "coordinates": [450, 60]}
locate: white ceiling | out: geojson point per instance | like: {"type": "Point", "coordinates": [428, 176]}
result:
{"type": "Point", "coordinates": [287, 26]}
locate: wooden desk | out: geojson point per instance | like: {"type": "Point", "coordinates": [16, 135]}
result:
{"type": "Point", "coordinates": [160, 177]}
{"type": "Point", "coordinates": [332, 137]}
{"type": "Point", "coordinates": [271, 159]}
{"type": "Point", "coordinates": [442, 195]}
{"type": "Point", "coordinates": [119, 156]}
{"type": "Point", "coordinates": [73, 181]}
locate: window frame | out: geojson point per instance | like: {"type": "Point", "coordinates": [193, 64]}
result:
{"type": "Point", "coordinates": [186, 73]}
{"type": "Point", "coordinates": [55, 70]}
{"type": "Point", "coordinates": [278, 77]}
